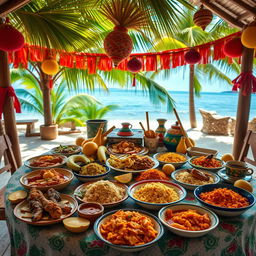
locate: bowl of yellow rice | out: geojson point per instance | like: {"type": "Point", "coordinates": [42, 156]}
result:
{"type": "Point", "coordinates": [155, 194]}
{"type": "Point", "coordinates": [174, 158]}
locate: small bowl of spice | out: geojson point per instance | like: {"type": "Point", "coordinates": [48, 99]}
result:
{"type": "Point", "coordinates": [90, 211]}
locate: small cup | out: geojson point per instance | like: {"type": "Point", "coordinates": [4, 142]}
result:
{"type": "Point", "coordinates": [151, 144]}
{"type": "Point", "coordinates": [85, 210]}
{"type": "Point", "coordinates": [238, 169]}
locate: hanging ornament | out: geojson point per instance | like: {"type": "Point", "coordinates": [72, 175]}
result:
{"type": "Point", "coordinates": [50, 67]}
{"type": "Point", "coordinates": [248, 37]}
{"type": "Point", "coordinates": [192, 56]}
{"type": "Point", "coordinates": [233, 48]}
{"type": "Point", "coordinates": [124, 14]}
{"type": "Point", "coordinates": [203, 17]}
{"type": "Point", "coordinates": [10, 38]}
{"type": "Point", "coordinates": [134, 65]}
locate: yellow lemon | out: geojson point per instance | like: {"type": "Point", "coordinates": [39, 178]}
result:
{"type": "Point", "coordinates": [124, 178]}
{"type": "Point", "coordinates": [168, 169]}
{"type": "Point", "coordinates": [227, 157]}
{"type": "Point", "coordinates": [244, 185]}
{"type": "Point", "coordinates": [76, 224]}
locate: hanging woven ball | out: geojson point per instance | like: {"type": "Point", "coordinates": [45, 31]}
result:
{"type": "Point", "coordinates": [203, 17]}
{"type": "Point", "coordinates": [50, 67]}
{"type": "Point", "coordinates": [248, 37]}
{"type": "Point", "coordinates": [134, 65]}
{"type": "Point", "coordinates": [10, 38]}
{"type": "Point", "coordinates": [192, 56]}
{"type": "Point", "coordinates": [233, 48]}
{"type": "Point", "coordinates": [118, 45]}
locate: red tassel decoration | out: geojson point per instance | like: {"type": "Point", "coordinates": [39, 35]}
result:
{"type": "Point", "coordinates": [91, 64]}
{"type": "Point", "coordinates": [8, 92]}
{"type": "Point", "coordinates": [134, 80]}
{"type": "Point", "coordinates": [66, 60]}
{"type": "Point", "coordinates": [165, 61]}
{"type": "Point", "coordinates": [151, 63]}
{"type": "Point", "coordinates": [247, 80]}
{"type": "Point", "coordinates": [51, 84]}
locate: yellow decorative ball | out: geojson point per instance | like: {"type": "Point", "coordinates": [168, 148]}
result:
{"type": "Point", "coordinates": [50, 67]}
{"type": "Point", "coordinates": [248, 37]}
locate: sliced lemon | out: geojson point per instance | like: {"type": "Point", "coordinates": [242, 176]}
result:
{"type": "Point", "coordinates": [17, 196]}
{"type": "Point", "coordinates": [76, 224]}
{"type": "Point", "coordinates": [124, 178]}
{"type": "Point", "coordinates": [244, 185]}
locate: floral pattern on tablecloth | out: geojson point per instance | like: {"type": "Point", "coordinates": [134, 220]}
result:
{"type": "Point", "coordinates": [234, 236]}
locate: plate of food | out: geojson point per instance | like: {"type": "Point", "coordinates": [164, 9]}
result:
{"type": "Point", "coordinates": [176, 159]}
{"type": "Point", "coordinates": [105, 192]}
{"type": "Point", "coordinates": [66, 150]}
{"type": "Point", "coordinates": [208, 163]}
{"type": "Point", "coordinates": [46, 161]}
{"type": "Point", "coordinates": [92, 172]}
{"type": "Point", "coordinates": [45, 209]}
{"type": "Point", "coordinates": [126, 147]}
{"type": "Point", "coordinates": [131, 163]}
{"type": "Point", "coordinates": [155, 194]}
{"type": "Point", "coordinates": [188, 220]}
{"type": "Point", "coordinates": [192, 178]}
{"type": "Point", "coordinates": [147, 232]}
{"type": "Point", "coordinates": [57, 178]}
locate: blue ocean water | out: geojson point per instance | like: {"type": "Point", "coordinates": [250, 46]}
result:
{"type": "Point", "coordinates": [133, 104]}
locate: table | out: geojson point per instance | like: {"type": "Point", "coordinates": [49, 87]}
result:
{"type": "Point", "coordinates": [233, 236]}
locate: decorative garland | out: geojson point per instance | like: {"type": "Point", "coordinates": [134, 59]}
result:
{"type": "Point", "coordinates": [8, 92]}
{"type": "Point", "coordinates": [99, 61]}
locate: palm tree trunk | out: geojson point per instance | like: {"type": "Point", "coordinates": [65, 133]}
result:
{"type": "Point", "coordinates": [47, 101]}
{"type": "Point", "coordinates": [192, 114]}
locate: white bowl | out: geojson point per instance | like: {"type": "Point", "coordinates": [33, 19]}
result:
{"type": "Point", "coordinates": [188, 186]}
{"type": "Point", "coordinates": [176, 164]}
{"type": "Point", "coordinates": [125, 248]}
{"type": "Point", "coordinates": [152, 206]}
{"type": "Point", "coordinates": [187, 233]}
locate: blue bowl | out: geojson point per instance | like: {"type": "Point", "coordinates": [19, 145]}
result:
{"type": "Point", "coordinates": [222, 211]}
{"type": "Point", "coordinates": [127, 248]}
{"type": "Point", "coordinates": [86, 178]}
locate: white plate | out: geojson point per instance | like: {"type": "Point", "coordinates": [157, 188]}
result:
{"type": "Point", "coordinates": [27, 163]}
{"type": "Point", "coordinates": [156, 163]}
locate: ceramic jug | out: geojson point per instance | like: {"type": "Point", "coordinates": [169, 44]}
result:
{"type": "Point", "coordinates": [125, 130]}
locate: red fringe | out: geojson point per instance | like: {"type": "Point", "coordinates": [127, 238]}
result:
{"type": "Point", "coordinates": [81, 62]}
{"type": "Point", "coordinates": [8, 92]}
{"type": "Point", "coordinates": [178, 59]}
{"type": "Point", "coordinates": [123, 65]}
{"type": "Point", "coordinates": [66, 60]}
{"type": "Point", "coordinates": [91, 64]}
{"type": "Point", "coordinates": [246, 82]}
{"type": "Point", "coordinates": [218, 51]}
{"type": "Point", "coordinates": [165, 61]}
{"type": "Point", "coordinates": [205, 54]}
{"type": "Point", "coordinates": [151, 63]}
{"type": "Point", "coordinates": [105, 64]}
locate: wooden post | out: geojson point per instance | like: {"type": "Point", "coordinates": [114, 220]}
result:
{"type": "Point", "coordinates": [192, 114]}
{"type": "Point", "coordinates": [243, 108]}
{"type": "Point", "coordinates": [8, 111]}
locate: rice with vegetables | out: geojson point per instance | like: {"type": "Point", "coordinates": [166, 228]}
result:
{"type": "Point", "coordinates": [103, 192]}
{"type": "Point", "coordinates": [156, 192]}
{"type": "Point", "coordinates": [93, 169]}
{"type": "Point", "coordinates": [187, 178]}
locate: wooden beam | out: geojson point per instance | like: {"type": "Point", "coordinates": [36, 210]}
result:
{"type": "Point", "coordinates": [222, 14]}
{"type": "Point", "coordinates": [8, 111]}
{"type": "Point", "coordinates": [243, 108]}
{"type": "Point", "coordinates": [11, 5]}
{"type": "Point", "coordinates": [246, 7]}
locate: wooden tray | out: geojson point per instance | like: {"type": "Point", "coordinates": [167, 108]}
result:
{"type": "Point", "coordinates": [17, 212]}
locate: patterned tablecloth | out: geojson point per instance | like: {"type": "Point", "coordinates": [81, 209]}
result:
{"type": "Point", "coordinates": [233, 236]}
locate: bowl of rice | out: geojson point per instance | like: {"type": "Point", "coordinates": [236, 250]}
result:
{"type": "Point", "coordinates": [105, 192]}
{"type": "Point", "coordinates": [176, 159]}
{"type": "Point", "coordinates": [155, 194]}
{"type": "Point", "coordinates": [186, 179]}
{"type": "Point", "coordinates": [92, 172]}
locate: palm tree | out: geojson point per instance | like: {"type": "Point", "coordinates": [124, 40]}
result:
{"type": "Point", "coordinates": [63, 110]}
{"type": "Point", "coordinates": [78, 25]}
{"type": "Point", "coordinates": [190, 36]}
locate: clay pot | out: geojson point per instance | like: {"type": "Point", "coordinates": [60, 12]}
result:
{"type": "Point", "coordinates": [49, 132]}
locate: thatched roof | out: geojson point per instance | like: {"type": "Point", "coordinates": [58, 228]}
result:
{"type": "Point", "coordinates": [238, 13]}
{"type": "Point", "coordinates": [7, 6]}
